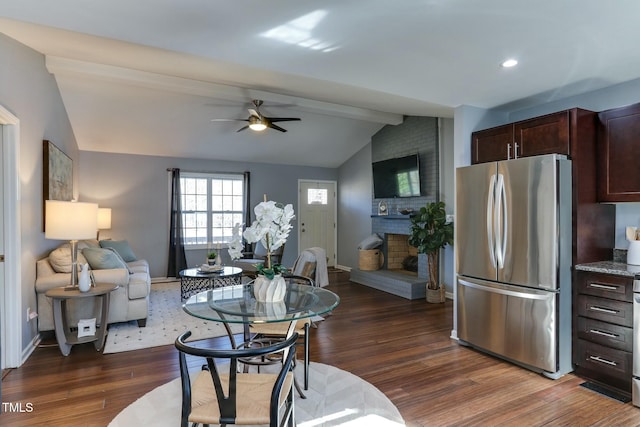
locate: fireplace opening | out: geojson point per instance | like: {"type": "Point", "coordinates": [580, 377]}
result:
{"type": "Point", "coordinates": [399, 255]}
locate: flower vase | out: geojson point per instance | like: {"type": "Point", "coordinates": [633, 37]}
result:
{"type": "Point", "coordinates": [84, 282]}
{"type": "Point", "coordinates": [266, 290]}
{"type": "Point", "coordinates": [271, 310]}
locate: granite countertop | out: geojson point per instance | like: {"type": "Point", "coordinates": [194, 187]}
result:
{"type": "Point", "coordinates": [610, 267]}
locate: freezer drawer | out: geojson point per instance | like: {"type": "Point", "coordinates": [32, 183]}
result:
{"type": "Point", "coordinates": [511, 321]}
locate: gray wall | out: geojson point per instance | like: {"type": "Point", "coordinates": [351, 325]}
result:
{"type": "Point", "coordinates": [355, 186]}
{"type": "Point", "coordinates": [447, 194]}
{"type": "Point", "coordinates": [136, 188]}
{"type": "Point", "coordinates": [29, 92]}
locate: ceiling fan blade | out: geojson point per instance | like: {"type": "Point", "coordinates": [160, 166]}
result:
{"type": "Point", "coordinates": [283, 119]}
{"type": "Point", "coordinates": [229, 120]}
{"type": "Point", "coordinates": [276, 127]}
{"type": "Point", "coordinates": [242, 128]}
{"type": "Point", "coordinates": [254, 113]}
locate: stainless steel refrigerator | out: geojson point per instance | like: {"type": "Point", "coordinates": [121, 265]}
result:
{"type": "Point", "coordinates": [513, 256]}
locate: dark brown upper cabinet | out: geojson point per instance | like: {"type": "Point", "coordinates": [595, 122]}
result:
{"type": "Point", "coordinates": [547, 134]}
{"type": "Point", "coordinates": [619, 154]}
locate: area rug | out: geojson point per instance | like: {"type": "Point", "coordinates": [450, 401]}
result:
{"type": "Point", "coordinates": [335, 398]}
{"type": "Point", "coordinates": [166, 321]}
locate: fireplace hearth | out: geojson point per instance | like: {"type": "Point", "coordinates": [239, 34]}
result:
{"type": "Point", "coordinates": [394, 277]}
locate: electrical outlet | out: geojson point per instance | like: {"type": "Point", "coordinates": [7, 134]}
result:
{"type": "Point", "coordinates": [31, 314]}
{"type": "Point", "coordinates": [450, 218]}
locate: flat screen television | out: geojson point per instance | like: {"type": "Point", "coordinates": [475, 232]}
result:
{"type": "Point", "coordinates": [399, 177]}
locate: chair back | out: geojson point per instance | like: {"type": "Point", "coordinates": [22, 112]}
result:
{"type": "Point", "coordinates": [302, 280]}
{"type": "Point", "coordinates": [226, 390]}
{"type": "Point", "coordinates": [260, 252]}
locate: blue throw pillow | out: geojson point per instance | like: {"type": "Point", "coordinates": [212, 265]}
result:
{"type": "Point", "coordinates": [120, 246]}
{"type": "Point", "coordinates": [102, 259]}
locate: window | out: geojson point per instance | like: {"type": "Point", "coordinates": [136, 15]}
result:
{"type": "Point", "coordinates": [211, 205]}
{"type": "Point", "coordinates": [317, 196]}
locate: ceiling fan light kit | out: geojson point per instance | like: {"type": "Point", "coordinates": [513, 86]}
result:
{"type": "Point", "coordinates": [256, 124]}
{"type": "Point", "coordinates": [257, 121]}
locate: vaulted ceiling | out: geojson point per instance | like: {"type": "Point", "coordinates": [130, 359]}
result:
{"type": "Point", "coordinates": [147, 76]}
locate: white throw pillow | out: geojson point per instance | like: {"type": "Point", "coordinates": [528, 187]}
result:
{"type": "Point", "coordinates": [60, 259]}
{"type": "Point", "coordinates": [371, 242]}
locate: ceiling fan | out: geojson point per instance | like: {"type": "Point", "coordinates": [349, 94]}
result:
{"type": "Point", "coordinates": [257, 121]}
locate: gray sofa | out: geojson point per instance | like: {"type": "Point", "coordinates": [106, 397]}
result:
{"type": "Point", "coordinates": [130, 301]}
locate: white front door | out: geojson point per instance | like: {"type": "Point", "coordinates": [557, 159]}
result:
{"type": "Point", "coordinates": [317, 217]}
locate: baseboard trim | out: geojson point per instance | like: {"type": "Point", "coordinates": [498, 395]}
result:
{"type": "Point", "coordinates": [31, 347]}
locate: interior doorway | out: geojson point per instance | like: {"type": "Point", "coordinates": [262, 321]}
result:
{"type": "Point", "coordinates": [317, 216]}
{"type": "Point", "coordinates": [10, 282]}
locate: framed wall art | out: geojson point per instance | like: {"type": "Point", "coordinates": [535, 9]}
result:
{"type": "Point", "coordinates": [57, 175]}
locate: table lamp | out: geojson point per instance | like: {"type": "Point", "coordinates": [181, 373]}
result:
{"type": "Point", "coordinates": [71, 221]}
{"type": "Point", "coordinates": [104, 220]}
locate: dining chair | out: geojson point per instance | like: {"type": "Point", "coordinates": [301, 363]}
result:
{"type": "Point", "coordinates": [279, 330]}
{"type": "Point", "coordinates": [220, 394]}
{"type": "Point", "coordinates": [258, 256]}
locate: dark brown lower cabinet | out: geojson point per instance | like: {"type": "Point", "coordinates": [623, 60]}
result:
{"type": "Point", "coordinates": [603, 329]}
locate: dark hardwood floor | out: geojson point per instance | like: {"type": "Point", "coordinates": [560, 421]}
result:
{"type": "Point", "coordinates": [402, 347]}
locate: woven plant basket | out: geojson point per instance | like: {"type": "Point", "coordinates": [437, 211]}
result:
{"type": "Point", "coordinates": [435, 296]}
{"type": "Point", "coordinates": [370, 259]}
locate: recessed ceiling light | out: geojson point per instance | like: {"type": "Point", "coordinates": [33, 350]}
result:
{"type": "Point", "coordinates": [510, 63]}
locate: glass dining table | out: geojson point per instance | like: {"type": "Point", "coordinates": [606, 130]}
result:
{"type": "Point", "coordinates": [237, 304]}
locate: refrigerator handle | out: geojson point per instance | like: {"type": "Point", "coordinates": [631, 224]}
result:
{"type": "Point", "coordinates": [490, 217]}
{"type": "Point", "coordinates": [500, 222]}
{"type": "Point", "coordinates": [511, 291]}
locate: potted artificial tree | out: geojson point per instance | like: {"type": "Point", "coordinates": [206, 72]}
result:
{"type": "Point", "coordinates": [431, 232]}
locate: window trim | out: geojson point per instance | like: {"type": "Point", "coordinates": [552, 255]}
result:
{"type": "Point", "coordinates": [239, 176]}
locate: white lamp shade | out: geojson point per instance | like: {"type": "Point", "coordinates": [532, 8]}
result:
{"type": "Point", "coordinates": [70, 220]}
{"type": "Point", "coordinates": [104, 218]}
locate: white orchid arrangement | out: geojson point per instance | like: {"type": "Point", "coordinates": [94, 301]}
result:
{"type": "Point", "coordinates": [271, 228]}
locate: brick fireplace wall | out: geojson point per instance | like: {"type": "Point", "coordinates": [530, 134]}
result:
{"type": "Point", "coordinates": [414, 135]}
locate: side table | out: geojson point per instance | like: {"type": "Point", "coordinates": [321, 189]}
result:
{"type": "Point", "coordinates": [67, 338]}
{"type": "Point", "coordinates": [192, 280]}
